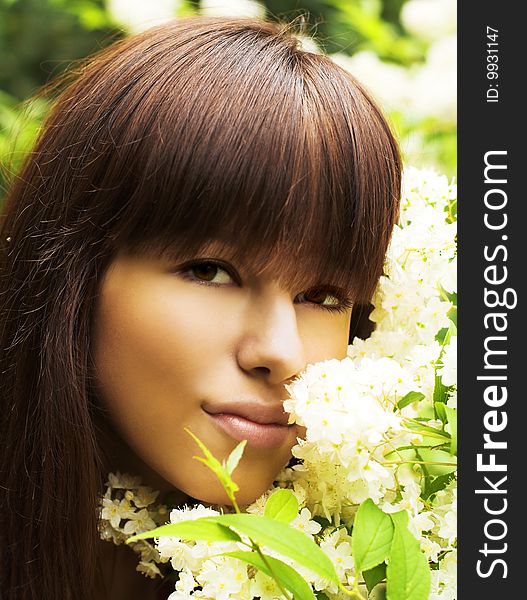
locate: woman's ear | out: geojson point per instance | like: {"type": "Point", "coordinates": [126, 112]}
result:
{"type": "Point", "coordinates": [360, 325]}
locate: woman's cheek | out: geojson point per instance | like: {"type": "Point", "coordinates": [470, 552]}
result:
{"type": "Point", "coordinates": [325, 334]}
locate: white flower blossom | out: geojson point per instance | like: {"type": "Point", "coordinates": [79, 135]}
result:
{"type": "Point", "coordinates": [139, 522]}
{"type": "Point", "coordinates": [223, 578]}
{"type": "Point", "coordinates": [448, 370]}
{"type": "Point", "coordinates": [137, 15]}
{"type": "Point", "coordinates": [429, 19]}
{"type": "Point", "coordinates": [232, 8]}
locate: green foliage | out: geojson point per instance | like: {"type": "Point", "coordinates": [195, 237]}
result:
{"type": "Point", "coordinates": [344, 26]}
{"type": "Point", "coordinates": [223, 471]}
{"type": "Point", "coordinates": [285, 540]}
{"type": "Point", "coordinates": [383, 548]}
{"type": "Point", "coordinates": [408, 573]}
{"type": "Point", "coordinates": [374, 576]}
{"type": "Point", "coordinates": [372, 536]}
{"type": "Point", "coordinates": [282, 506]}
{"type": "Point", "coordinates": [277, 569]}
{"type": "Point", "coordinates": [197, 529]}
{"type": "Point", "coordinates": [379, 539]}
{"type": "Point", "coordinates": [387, 39]}
{"type": "Point", "coordinates": [41, 38]}
{"type": "Point", "coordinates": [434, 485]}
{"type": "Point", "coordinates": [19, 126]}
{"type": "Point", "coordinates": [410, 398]}
{"type": "Point", "coordinates": [451, 415]}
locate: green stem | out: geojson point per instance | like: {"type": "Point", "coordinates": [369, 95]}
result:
{"type": "Point", "coordinates": [232, 498]}
{"type": "Point", "coordinates": [439, 436]}
{"type": "Point", "coordinates": [418, 462]}
{"type": "Point", "coordinates": [355, 592]}
{"type": "Point", "coordinates": [264, 560]}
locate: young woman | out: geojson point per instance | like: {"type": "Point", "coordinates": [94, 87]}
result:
{"type": "Point", "coordinates": [204, 206]}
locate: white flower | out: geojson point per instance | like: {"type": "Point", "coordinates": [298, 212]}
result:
{"type": "Point", "coordinates": [434, 88]}
{"type": "Point", "coordinates": [223, 578]}
{"type": "Point", "coordinates": [181, 595]}
{"type": "Point", "coordinates": [186, 582]}
{"type": "Point", "coordinates": [448, 370]}
{"type": "Point", "coordinates": [144, 496]}
{"type": "Point", "coordinates": [448, 526]}
{"type": "Point", "coordinates": [149, 569]}
{"type": "Point", "coordinates": [430, 548]}
{"type": "Point", "coordinates": [139, 522]}
{"type": "Point", "coordinates": [452, 398]}
{"type": "Point", "coordinates": [191, 513]}
{"type": "Point", "coordinates": [429, 19]}
{"type": "Point", "coordinates": [110, 534]}
{"type": "Point", "coordinates": [232, 8]}
{"type": "Point", "coordinates": [338, 547]}
{"type": "Point", "coordinates": [387, 82]}
{"type": "Point", "coordinates": [304, 523]}
{"type": "Point", "coordinates": [137, 15]}
{"type": "Point", "coordinates": [115, 510]}
{"type": "Point", "coordinates": [123, 481]}
{"type": "Point", "coordinates": [444, 579]}
{"type": "Point", "coordinates": [265, 588]}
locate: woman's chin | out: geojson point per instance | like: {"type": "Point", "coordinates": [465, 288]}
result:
{"type": "Point", "coordinates": [214, 494]}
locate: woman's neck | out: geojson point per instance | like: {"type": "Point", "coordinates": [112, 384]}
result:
{"type": "Point", "coordinates": [117, 576]}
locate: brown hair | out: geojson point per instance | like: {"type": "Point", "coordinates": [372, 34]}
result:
{"type": "Point", "coordinates": [196, 130]}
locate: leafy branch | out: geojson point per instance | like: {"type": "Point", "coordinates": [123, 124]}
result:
{"type": "Point", "coordinates": [382, 546]}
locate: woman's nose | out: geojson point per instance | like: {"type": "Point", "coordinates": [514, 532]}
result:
{"type": "Point", "coordinates": [271, 346]}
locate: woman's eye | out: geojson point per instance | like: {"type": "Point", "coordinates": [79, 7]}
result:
{"type": "Point", "coordinates": [325, 298]}
{"type": "Point", "coordinates": [208, 272]}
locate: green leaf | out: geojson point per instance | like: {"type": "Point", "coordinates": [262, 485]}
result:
{"type": "Point", "coordinates": [439, 406]}
{"type": "Point", "coordinates": [400, 519]}
{"type": "Point", "coordinates": [438, 483]}
{"type": "Point", "coordinates": [448, 463]}
{"type": "Point", "coordinates": [440, 396]}
{"type": "Point", "coordinates": [451, 414]}
{"type": "Point", "coordinates": [285, 540]}
{"type": "Point", "coordinates": [197, 529]}
{"type": "Point", "coordinates": [374, 576]}
{"type": "Point", "coordinates": [372, 536]}
{"type": "Point", "coordinates": [409, 399]}
{"type": "Point", "coordinates": [440, 390]}
{"type": "Point", "coordinates": [378, 592]}
{"type": "Point", "coordinates": [282, 506]}
{"type": "Point", "coordinates": [286, 575]}
{"type": "Point", "coordinates": [408, 573]}
{"type": "Point", "coordinates": [214, 465]}
{"type": "Point", "coordinates": [441, 334]}
{"type": "Point", "coordinates": [210, 460]}
{"type": "Point", "coordinates": [407, 455]}
{"type": "Point", "coordinates": [426, 442]}
{"type": "Point", "coordinates": [235, 456]}
{"type": "Point", "coordinates": [423, 427]}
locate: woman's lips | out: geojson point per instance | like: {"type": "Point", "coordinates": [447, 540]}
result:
{"type": "Point", "coordinates": [262, 427]}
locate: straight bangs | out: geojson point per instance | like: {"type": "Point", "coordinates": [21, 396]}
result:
{"type": "Point", "coordinates": [226, 131]}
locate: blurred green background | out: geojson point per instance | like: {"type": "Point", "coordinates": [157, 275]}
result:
{"type": "Point", "coordinates": [404, 51]}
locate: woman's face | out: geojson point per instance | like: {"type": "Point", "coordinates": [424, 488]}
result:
{"type": "Point", "coordinates": [207, 345]}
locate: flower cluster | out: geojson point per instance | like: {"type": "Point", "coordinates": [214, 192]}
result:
{"type": "Point", "coordinates": [127, 508]}
{"type": "Point", "coordinates": [380, 426]}
{"type": "Point", "coordinates": [348, 414]}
